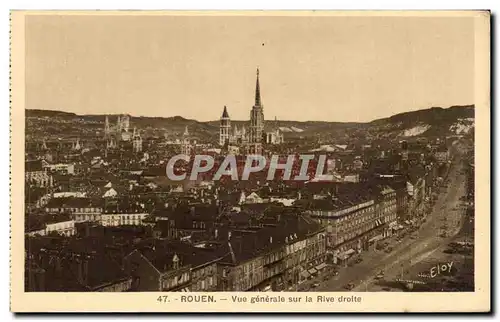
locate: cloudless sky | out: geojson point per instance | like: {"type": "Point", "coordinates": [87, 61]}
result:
{"type": "Point", "coordinates": [311, 68]}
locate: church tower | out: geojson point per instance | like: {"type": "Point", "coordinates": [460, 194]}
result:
{"type": "Point", "coordinates": [119, 124]}
{"type": "Point", "coordinates": [107, 130]}
{"type": "Point", "coordinates": [137, 141]}
{"type": "Point", "coordinates": [125, 123]}
{"type": "Point", "coordinates": [256, 121]}
{"type": "Point", "coordinates": [186, 145]}
{"type": "Point", "coordinates": [224, 128]}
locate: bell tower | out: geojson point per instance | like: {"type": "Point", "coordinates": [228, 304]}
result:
{"type": "Point", "coordinates": [224, 128]}
{"type": "Point", "coordinates": [136, 141]}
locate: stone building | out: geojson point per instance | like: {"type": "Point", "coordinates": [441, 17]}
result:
{"type": "Point", "coordinates": [252, 139]}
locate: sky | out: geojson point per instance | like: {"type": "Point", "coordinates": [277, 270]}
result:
{"type": "Point", "coordinates": [311, 68]}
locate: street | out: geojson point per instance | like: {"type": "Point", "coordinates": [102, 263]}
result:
{"type": "Point", "coordinates": [423, 246]}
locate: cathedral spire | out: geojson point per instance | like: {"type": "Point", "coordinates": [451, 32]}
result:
{"type": "Point", "coordinates": [106, 126]}
{"type": "Point", "coordinates": [257, 91]}
{"type": "Point", "coordinates": [225, 114]}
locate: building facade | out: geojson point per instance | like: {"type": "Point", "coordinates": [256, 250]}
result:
{"type": "Point", "coordinates": [66, 228]}
{"type": "Point", "coordinates": [280, 268]}
{"type": "Point", "coordinates": [120, 219]}
{"type": "Point", "coordinates": [350, 230]}
{"type": "Point", "coordinates": [36, 174]}
{"type": "Point", "coordinates": [388, 212]}
{"type": "Point", "coordinates": [204, 277]}
{"type": "Point", "coordinates": [151, 272]}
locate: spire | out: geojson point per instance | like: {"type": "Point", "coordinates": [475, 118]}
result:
{"type": "Point", "coordinates": [225, 114]}
{"type": "Point", "coordinates": [257, 91]}
{"type": "Point", "coordinates": [106, 126]}
{"type": "Point", "coordinates": [186, 132]}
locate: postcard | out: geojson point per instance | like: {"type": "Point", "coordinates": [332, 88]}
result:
{"type": "Point", "coordinates": [241, 161]}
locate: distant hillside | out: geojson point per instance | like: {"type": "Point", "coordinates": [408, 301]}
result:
{"type": "Point", "coordinates": [435, 121]}
{"type": "Point", "coordinates": [433, 115]}
{"type": "Point", "coordinates": [49, 113]}
{"type": "Point", "coordinates": [428, 122]}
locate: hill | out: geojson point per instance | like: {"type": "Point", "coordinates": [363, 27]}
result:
{"type": "Point", "coordinates": [49, 113]}
{"type": "Point", "coordinates": [435, 121]}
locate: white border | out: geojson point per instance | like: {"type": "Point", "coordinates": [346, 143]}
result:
{"type": "Point", "coordinates": [145, 4]}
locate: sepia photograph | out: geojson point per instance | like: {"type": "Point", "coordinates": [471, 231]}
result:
{"type": "Point", "coordinates": [244, 159]}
